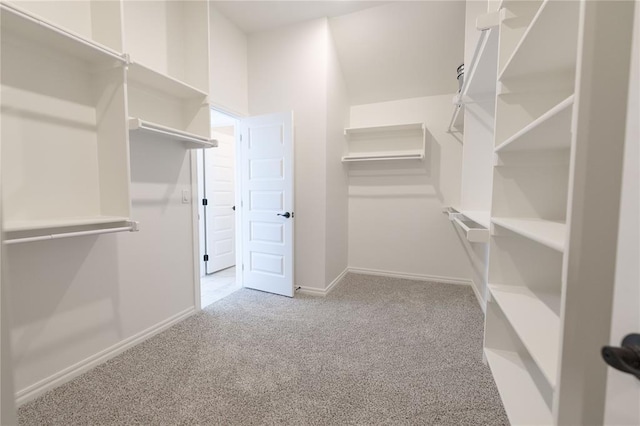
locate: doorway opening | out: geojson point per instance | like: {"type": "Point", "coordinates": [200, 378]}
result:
{"type": "Point", "coordinates": [217, 211]}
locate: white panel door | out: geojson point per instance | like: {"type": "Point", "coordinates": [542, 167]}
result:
{"type": "Point", "coordinates": [220, 195]}
{"type": "Point", "coordinates": [267, 202]}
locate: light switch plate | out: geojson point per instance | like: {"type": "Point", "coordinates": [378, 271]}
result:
{"type": "Point", "coordinates": [186, 196]}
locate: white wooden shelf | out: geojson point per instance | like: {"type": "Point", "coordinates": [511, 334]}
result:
{"type": "Point", "coordinates": [145, 76]}
{"type": "Point", "coordinates": [473, 231]}
{"type": "Point", "coordinates": [378, 156]}
{"type": "Point", "coordinates": [549, 233]}
{"type": "Point", "coordinates": [190, 140]}
{"type": "Point", "coordinates": [540, 41]}
{"type": "Point", "coordinates": [521, 398]}
{"type": "Point", "coordinates": [29, 225]}
{"type": "Point", "coordinates": [391, 142]}
{"type": "Point", "coordinates": [30, 27]}
{"type": "Point", "coordinates": [381, 129]}
{"type": "Point", "coordinates": [535, 323]}
{"type": "Point", "coordinates": [552, 130]}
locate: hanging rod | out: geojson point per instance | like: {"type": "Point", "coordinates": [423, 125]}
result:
{"type": "Point", "coordinates": [132, 227]}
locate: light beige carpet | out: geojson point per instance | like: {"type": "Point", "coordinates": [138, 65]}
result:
{"type": "Point", "coordinates": [374, 351]}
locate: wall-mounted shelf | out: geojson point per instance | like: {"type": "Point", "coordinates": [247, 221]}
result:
{"type": "Point", "coordinates": [392, 142]}
{"type": "Point", "coordinates": [541, 337]}
{"type": "Point", "coordinates": [552, 130]}
{"type": "Point", "coordinates": [145, 76]}
{"type": "Point", "coordinates": [190, 140]}
{"type": "Point", "coordinates": [28, 27]}
{"type": "Point", "coordinates": [79, 230]}
{"type": "Point", "coordinates": [546, 232]}
{"type": "Point", "coordinates": [28, 225]}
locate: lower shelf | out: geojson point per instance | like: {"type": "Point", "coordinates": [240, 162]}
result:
{"type": "Point", "coordinates": [522, 400]}
{"type": "Point", "coordinates": [378, 156]}
{"type": "Point", "coordinates": [546, 232]}
{"type": "Point", "coordinates": [189, 140]}
{"type": "Point", "coordinates": [537, 325]}
{"type": "Point", "coordinates": [77, 230]}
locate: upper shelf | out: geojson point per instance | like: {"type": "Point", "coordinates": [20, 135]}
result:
{"type": "Point", "coordinates": [552, 130]}
{"type": "Point", "coordinates": [29, 27]}
{"type": "Point", "coordinates": [382, 129]}
{"type": "Point", "coordinates": [147, 77]}
{"type": "Point", "coordinates": [541, 49]}
{"type": "Point", "coordinates": [189, 139]}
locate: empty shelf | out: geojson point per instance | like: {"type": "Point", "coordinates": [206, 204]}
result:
{"type": "Point", "coordinates": [546, 232]}
{"type": "Point", "coordinates": [378, 156]}
{"type": "Point", "coordinates": [541, 50]}
{"type": "Point", "coordinates": [552, 130]}
{"type": "Point", "coordinates": [163, 83]}
{"type": "Point", "coordinates": [390, 128]}
{"type": "Point", "coordinates": [521, 398]}
{"type": "Point", "coordinates": [32, 28]}
{"type": "Point", "coordinates": [28, 225]}
{"type": "Point", "coordinates": [189, 139]}
{"type": "Point", "coordinates": [537, 325]}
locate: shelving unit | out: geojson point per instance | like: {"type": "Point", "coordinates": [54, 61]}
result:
{"type": "Point", "coordinates": [393, 142]}
{"type": "Point", "coordinates": [64, 142]}
{"type": "Point", "coordinates": [534, 156]}
{"type": "Point", "coordinates": [66, 131]}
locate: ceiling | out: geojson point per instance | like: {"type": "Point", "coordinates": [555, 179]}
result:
{"type": "Point", "coordinates": [256, 16]}
{"type": "Point", "coordinates": [388, 50]}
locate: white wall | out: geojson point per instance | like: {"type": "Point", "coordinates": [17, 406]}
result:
{"type": "Point", "coordinates": [228, 64]}
{"type": "Point", "coordinates": [395, 219]}
{"type": "Point", "coordinates": [623, 390]}
{"type": "Point", "coordinates": [287, 71]}
{"type": "Point", "coordinates": [337, 206]}
{"type": "Point", "coordinates": [76, 297]}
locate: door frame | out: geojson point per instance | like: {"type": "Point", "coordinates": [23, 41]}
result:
{"type": "Point", "coordinates": [195, 207]}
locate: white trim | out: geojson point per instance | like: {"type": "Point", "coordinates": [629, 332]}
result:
{"type": "Point", "coordinates": [409, 276]}
{"type": "Point", "coordinates": [311, 291]}
{"type": "Point", "coordinates": [481, 302]}
{"type": "Point", "coordinates": [61, 377]}
{"type": "Point", "coordinates": [195, 230]}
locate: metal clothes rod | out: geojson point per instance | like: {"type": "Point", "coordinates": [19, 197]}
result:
{"type": "Point", "coordinates": [131, 228]}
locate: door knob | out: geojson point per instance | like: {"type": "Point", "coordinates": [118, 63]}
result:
{"type": "Point", "coordinates": [285, 215]}
{"type": "Point", "coordinates": [625, 358]}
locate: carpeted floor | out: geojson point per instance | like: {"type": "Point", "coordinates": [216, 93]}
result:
{"type": "Point", "coordinates": [374, 351]}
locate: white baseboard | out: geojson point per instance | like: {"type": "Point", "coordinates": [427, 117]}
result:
{"type": "Point", "coordinates": [61, 377]}
{"type": "Point", "coordinates": [409, 276]}
{"type": "Point", "coordinates": [317, 292]}
{"type": "Point", "coordinates": [479, 298]}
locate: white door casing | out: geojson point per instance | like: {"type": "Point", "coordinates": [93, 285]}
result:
{"type": "Point", "coordinates": [220, 194]}
{"type": "Point", "coordinates": [267, 197]}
